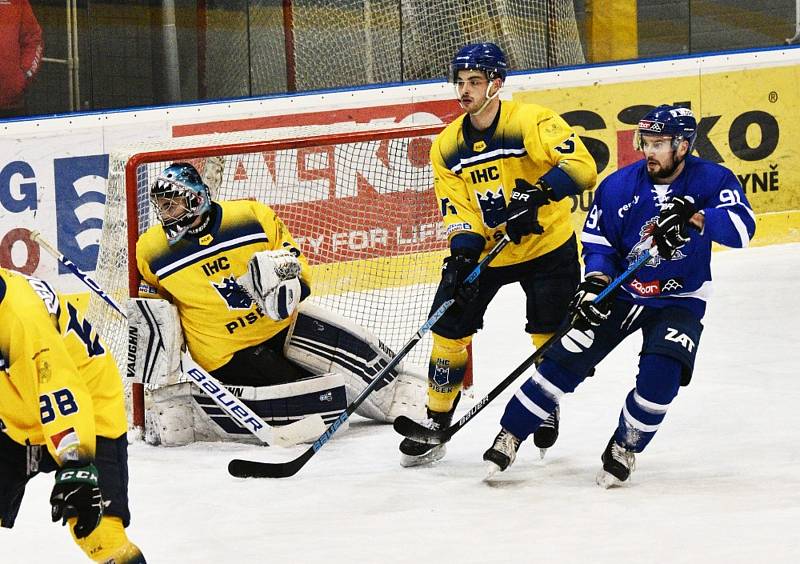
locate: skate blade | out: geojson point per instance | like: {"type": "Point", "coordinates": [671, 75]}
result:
{"type": "Point", "coordinates": [606, 480]}
{"type": "Point", "coordinates": [491, 470]}
{"type": "Point", "coordinates": [433, 455]}
{"type": "Point", "coordinates": [542, 452]}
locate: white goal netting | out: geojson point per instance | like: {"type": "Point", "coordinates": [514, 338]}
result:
{"type": "Point", "coordinates": [256, 48]}
{"type": "Point", "coordinates": [359, 201]}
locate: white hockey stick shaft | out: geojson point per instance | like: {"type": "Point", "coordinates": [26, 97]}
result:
{"type": "Point", "coordinates": [304, 430]}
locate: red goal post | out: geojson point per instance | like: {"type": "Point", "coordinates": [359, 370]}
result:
{"type": "Point", "coordinates": [358, 199]}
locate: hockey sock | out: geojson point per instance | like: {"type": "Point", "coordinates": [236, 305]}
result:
{"type": "Point", "coordinates": [539, 339]}
{"type": "Point", "coordinates": [537, 398]}
{"type": "Point", "coordinates": [646, 405]}
{"type": "Point", "coordinates": [446, 371]}
{"type": "Point", "coordinates": [109, 540]}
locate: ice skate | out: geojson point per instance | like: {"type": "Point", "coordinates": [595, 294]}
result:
{"type": "Point", "coordinates": [618, 463]}
{"type": "Point", "coordinates": [546, 435]}
{"type": "Point", "coordinates": [502, 453]}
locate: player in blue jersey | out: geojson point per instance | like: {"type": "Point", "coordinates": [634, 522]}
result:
{"type": "Point", "coordinates": [680, 204]}
{"type": "Point", "coordinates": [503, 167]}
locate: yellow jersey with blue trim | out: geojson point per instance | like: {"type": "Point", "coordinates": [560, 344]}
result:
{"type": "Point", "coordinates": [198, 275]}
{"type": "Point", "coordinates": [59, 386]}
{"type": "Point", "coordinates": [474, 175]}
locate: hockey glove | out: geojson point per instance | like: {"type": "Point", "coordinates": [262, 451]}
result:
{"type": "Point", "coordinates": [76, 494]}
{"type": "Point", "coordinates": [582, 308]}
{"type": "Point", "coordinates": [672, 230]}
{"type": "Point", "coordinates": [455, 270]}
{"type": "Point", "coordinates": [522, 210]}
{"type": "Point", "coordinates": [273, 282]}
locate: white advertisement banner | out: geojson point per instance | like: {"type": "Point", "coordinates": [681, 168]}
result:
{"type": "Point", "coordinates": [53, 171]}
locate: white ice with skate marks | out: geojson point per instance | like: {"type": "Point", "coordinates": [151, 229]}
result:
{"type": "Point", "coordinates": [720, 483]}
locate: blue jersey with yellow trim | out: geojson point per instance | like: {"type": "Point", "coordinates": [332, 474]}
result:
{"type": "Point", "coordinates": [199, 276]}
{"type": "Point", "coordinates": [59, 386]}
{"type": "Point", "coordinates": [620, 223]}
{"type": "Point", "coordinates": [473, 179]}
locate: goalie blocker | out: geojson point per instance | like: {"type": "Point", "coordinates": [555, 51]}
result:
{"type": "Point", "coordinates": [346, 356]}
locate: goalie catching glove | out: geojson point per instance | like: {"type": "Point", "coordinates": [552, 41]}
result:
{"type": "Point", "coordinates": [273, 282]}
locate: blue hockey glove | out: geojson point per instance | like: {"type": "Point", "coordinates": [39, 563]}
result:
{"type": "Point", "coordinates": [672, 230]}
{"type": "Point", "coordinates": [582, 308]}
{"type": "Point", "coordinates": [455, 270]}
{"type": "Point", "coordinates": [76, 494]}
{"type": "Point", "coordinates": [522, 210]}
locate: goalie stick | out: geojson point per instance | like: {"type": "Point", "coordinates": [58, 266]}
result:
{"type": "Point", "coordinates": [254, 469]}
{"type": "Point", "coordinates": [285, 435]}
{"type": "Point", "coordinates": [418, 432]}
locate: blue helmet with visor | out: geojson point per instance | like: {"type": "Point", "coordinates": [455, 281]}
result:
{"type": "Point", "coordinates": [677, 122]}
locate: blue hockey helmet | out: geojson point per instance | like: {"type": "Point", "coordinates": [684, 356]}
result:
{"type": "Point", "coordinates": [485, 57]}
{"type": "Point", "coordinates": [179, 196]}
{"type": "Point", "coordinates": [675, 121]}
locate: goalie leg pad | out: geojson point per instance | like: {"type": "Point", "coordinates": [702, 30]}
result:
{"type": "Point", "coordinates": [154, 342]}
{"type": "Point", "coordinates": [323, 341]}
{"type": "Point", "coordinates": [182, 414]}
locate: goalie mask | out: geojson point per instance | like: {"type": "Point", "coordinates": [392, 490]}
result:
{"type": "Point", "coordinates": [179, 196]}
{"type": "Point", "coordinates": [679, 123]}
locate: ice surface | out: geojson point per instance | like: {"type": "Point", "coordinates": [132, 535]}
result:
{"type": "Point", "coordinates": [720, 483]}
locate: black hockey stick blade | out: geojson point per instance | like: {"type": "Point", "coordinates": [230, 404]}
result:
{"type": "Point", "coordinates": [252, 469]}
{"type": "Point", "coordinates": [418, 432]}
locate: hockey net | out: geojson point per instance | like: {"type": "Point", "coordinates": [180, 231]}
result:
{"type": "Point", "coordinates": [342, 43]}
{"type": "Point", "coordinates": [358, 200]}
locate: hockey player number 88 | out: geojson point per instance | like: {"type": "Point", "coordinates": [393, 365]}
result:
{"type": "Point", "coordinates": [64, 400]}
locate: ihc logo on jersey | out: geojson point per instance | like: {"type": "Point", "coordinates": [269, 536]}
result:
{"type": "Point", "coordinates": [232, 293]}
{"type": "Point", "coordinates": [493, 207]}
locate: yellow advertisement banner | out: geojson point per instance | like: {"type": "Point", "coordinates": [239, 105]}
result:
{"type": "Point", "coordinates": [748, 121]}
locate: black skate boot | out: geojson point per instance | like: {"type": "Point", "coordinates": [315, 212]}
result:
{"type": "Point", "coordinates": [545, 436]}
{"type": "Point", "coordinates": [618, 463]}
{"type": "Point", "coordinates": [413, 453]}
{"type": "Point", "coordinates": [502, 453]}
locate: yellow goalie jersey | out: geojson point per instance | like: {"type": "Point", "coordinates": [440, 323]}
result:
{"type": "Point", "coordinates": [473, 180]}
{"type": "Point", "coordinates": [199, 276]}
{"type": "Point", "coordinates": [59, 386]}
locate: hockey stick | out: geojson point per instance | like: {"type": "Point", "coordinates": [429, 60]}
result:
{"type": "Point", "coordinates": [418, 432]}
{"type": "Point", "coordinates": [253, 469]}
{"type": "Point", "coordinates": [285, 435]}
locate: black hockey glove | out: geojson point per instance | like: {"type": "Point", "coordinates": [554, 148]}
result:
{"type": "Point", "coordinates": [76, 494]}
{"type": "Point", "coordinates": [455, 270]}
{"type": "Point", "coordinates": [522, 210]}
{"type": "Point", "coordinates": [672, 230]}
{"type": "Point", "coordinates": [583, 308]}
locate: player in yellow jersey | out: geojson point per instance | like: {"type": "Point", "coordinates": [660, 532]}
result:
{"type": "Point", "coordinates": [236, 278]}
{"type": "Point", "coordinates": [62, 410]}
{"type": "Point", "coordinates": [502, 167]}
